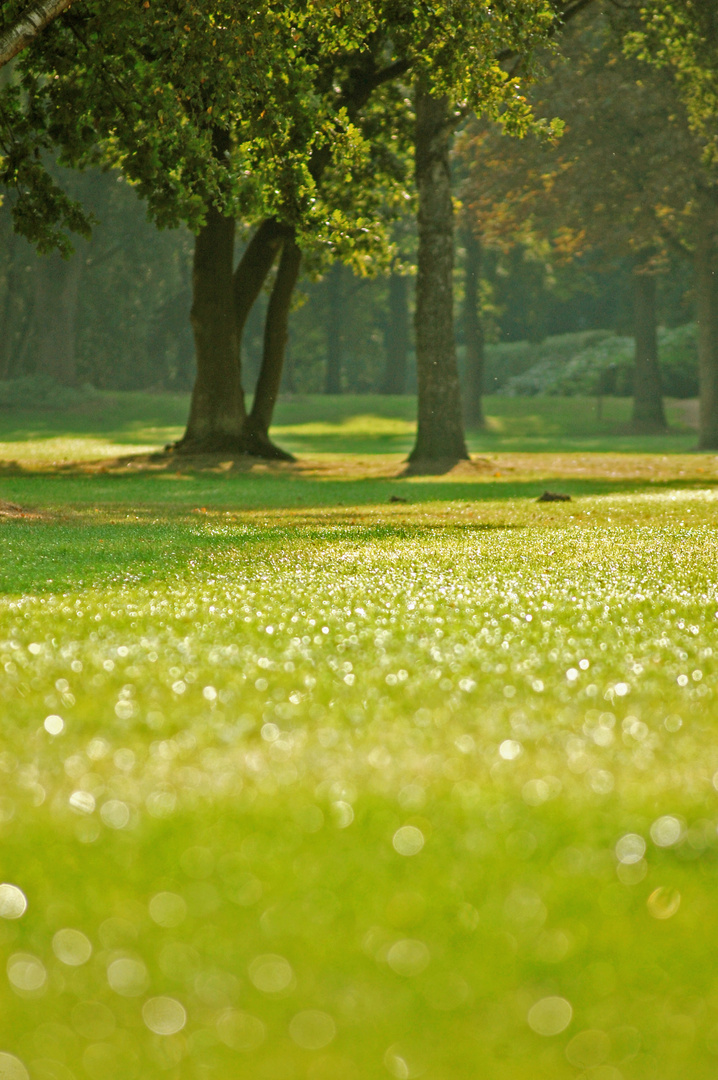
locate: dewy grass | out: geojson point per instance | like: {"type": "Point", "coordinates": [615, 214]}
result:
{"type": "Point", "coordinates": [369, 791]}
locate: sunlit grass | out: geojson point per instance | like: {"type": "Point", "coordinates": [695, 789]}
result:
{"type": "Point", "coordinates": [118, 423]}
{"type": "Point", "coordinates": [339, 789]}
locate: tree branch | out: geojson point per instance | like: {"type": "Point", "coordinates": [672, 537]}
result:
{"type": "Point", "coordinates": [27, 27]}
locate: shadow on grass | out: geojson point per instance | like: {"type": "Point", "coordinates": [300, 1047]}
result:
{"type": "Point", "coordinates": [130, 527]}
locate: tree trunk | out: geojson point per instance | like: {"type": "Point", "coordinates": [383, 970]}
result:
{"type": "Point", "coordinates": [26, 27]}
{"type": "Point", "coordinates": [440, 434]}
{"type": "Point", "coordinates": [276, 331]}
{"type": "Point", "coordinates": [57, 283]}
{"type": "Point", "coordinates": [397, 336]}
{"type": "Point", "coordinates": [473, 332]}
{"type": "Point", "coordinates": [648, 413]}
{"type": "Point", "coordinates": [217, 412]}
{"type": "Point", "coordinates": [706, 269]}
{"type": "Point", "coordinates": [334, 327]}
{"type": "Point", "coordinates": [254, 266]}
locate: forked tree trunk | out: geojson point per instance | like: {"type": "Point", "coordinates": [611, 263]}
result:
{"type": "Point", "coordinates": [706, 270]}
{"type": "Point", "coordinates": [473, 333]}
{"type": "Point", "coordinates": [648, 414]}
{"type": "Point", "coordinates": [57, 283]}
{"type": "Point", "coordinates": [397, 336]}
{"type": "Point", "coordinates": [334, 329]}
{"type": "Point", "coordinates": [276, 330]}
{"type": "Point", "coordinates": [222, 301]}
{"type": "Point", "coordinates": [440, 434]}
{"type": "Point", "coordinates": [217, 411]}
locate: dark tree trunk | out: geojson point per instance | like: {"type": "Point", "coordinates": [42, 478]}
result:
{"type": "Point", "coordinates": [396, 339]}
{"type": "Point", "coordinates": [57, 282]}
{"type": "Point", "coordinates": [334, 327]}
{"type": "Point", "coordinates": [276, 331]}
{"type": "Point", "coordinates": [648, 413]}
{"type": "Point", "coordinates": [217, 412]}
{"type": "Point", "coordinates": [254, 267]}
{"type": "Point", "coordinates": [440, 434]}
{"type": "Point", "coordinates": [706, 269]}
{"type": "Point", "coordinates": [473, 333]}
{"type": "Point", "coordinates": [222, 301]}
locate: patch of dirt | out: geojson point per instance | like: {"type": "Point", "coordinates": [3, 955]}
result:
{"type": "Point", "coordinates": [12, 511]}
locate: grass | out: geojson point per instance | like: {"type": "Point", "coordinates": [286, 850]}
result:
{"type": "Point", "coordinates": [113, 423]}
{"type": "Point", "coordinates": [298, 783]}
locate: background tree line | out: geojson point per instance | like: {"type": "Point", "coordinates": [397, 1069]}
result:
{"type": "Point", "coordinates": [307, 137]}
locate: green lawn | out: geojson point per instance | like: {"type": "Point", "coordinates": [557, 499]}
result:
{"type": "Point", "coordinates": [112, 423]}
{"type": "Point", "coordinates": [300, 784]}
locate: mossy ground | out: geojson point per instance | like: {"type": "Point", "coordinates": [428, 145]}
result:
{"type": "Point", "coordinates": [329, 787]}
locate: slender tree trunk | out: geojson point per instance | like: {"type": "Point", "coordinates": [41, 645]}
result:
{"type": "Point", "coordinates": [440, 434]}
{"type": "Point", "coordinates": [26, 27]}
{"type": "Point", "coordinates": [254, 267]}
{"type": "Point", "coordinates": [473, 332]}
{"type": "Point", "coordinates": [706, 270]}
{"type": "Point", "coordinates": [217, 412]}
{"type": "Point", "coordinates": [276, 331]}
{"type": "Point", "coordinates": [57, 282]}
{"type": "Point", "coordinates": [648, 413]}
{"type": "Point", "coordinates": [334, 329]}
{"type": "Point", "coordinates": [397, 336]}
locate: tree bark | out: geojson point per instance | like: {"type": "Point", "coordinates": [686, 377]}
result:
{"type": "Point", "coordinates": [334, 328]}
{"type": "Point", "coordinates": [440, 434]}
{"type": "Point", "coordinates": [648, 414]}
{"type": "Point", "coordinates": [396, 339]}
{"type": "Point", "coordinates": [254, 266]}
{"type": "Point", "coordinates": [276, 330]}
{"type": "Point", "coordinates": [31, 22]}
{"type": "Point", "coordinates": [473, 332]}
{"type": "Point", "coordinates": [57, 283]}
{"type": "Point", "coordinates": [217, 411]}
{"type": "Point", "coordinates": [706, 271]}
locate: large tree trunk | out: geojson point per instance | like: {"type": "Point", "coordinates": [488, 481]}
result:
{"type": "Point", "coordinates": [648, 413]}
{"type": "Point", "coordinates": [217, 412]}
{"type": "Point", "coordinates": [334, 329]}
{"type": "Point", "coordinates": [276, 331]}
{"type": "Point", "coordinates": [706, 268]}
{"type": "Point", "coordinates": [397, 336]}
{"type": "Point", "coordinates": [222, 301]}
{"type": "Point", "coordinates": [440, 434]}
{"type": "Point", "coordinates": [473, 332]}
{"type": "Point", "coordinates": [57, 282]}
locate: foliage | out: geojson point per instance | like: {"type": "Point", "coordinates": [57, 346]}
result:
{"type": "Point", "coordinates": [157, 84]}
{"type": "Point", "coordinates": [623, 178]}
{"type": "Point", "coordinates": [683, 35]}
{"type": "Point", "coordinates": [39, 391]}
{"type": "Point", "coordinates": [581, 364]}
{"type": "Point", "coordinates": [130, 322]}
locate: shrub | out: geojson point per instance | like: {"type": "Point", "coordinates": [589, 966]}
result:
{"type": "Point", "coordinates": [598, 361]}
{"type": "Point", "coordinates": [40, 391]}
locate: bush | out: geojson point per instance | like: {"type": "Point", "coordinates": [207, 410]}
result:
{"type": "Point", "coordinates": [588, 363]}
{"type": "Point", "coordinates": [42, 392]}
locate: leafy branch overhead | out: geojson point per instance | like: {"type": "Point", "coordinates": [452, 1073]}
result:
{"type": "Point", "coordinates": [143, 87]}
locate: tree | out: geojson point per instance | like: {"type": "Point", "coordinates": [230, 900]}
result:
{"type": "Point", "coordinates": [682, 35]}
{"type": "Point", "coordinates": [622, 179]}
{"type": "Point", "coordinates": [225, 111]}
{"type": "Point", "coordinates": [25, 27]}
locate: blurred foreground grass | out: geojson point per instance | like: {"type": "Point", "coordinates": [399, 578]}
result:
{"type": "Point", "coordinates": [299, 785]}
{"type": "Point", "coordinates": [290, 797]}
